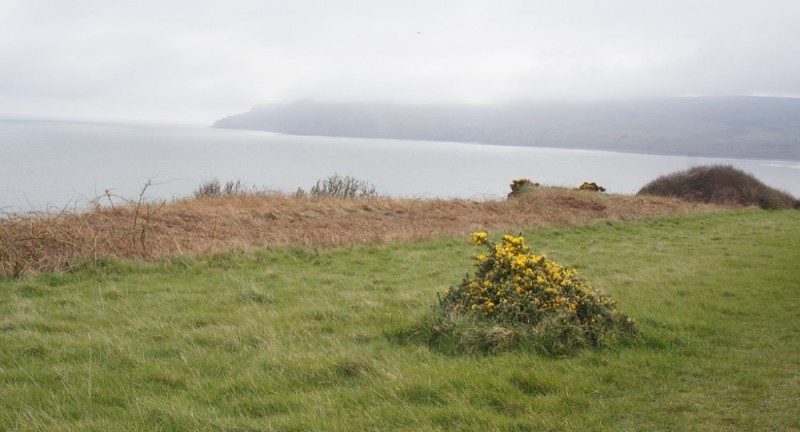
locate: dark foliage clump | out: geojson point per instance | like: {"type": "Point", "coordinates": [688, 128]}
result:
{"type": "Point", "coordinates": [522, 186]}
{"type": "Point", "coordinates": [591, 186]}
{"type": "Point", "coordinates": [720, 184]}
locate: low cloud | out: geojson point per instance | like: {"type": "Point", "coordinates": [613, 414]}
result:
{"type": "Point", "coordinates": [196, 62]}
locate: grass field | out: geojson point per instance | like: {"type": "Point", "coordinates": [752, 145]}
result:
{"type": "Point", "coordinates": [299, 339]}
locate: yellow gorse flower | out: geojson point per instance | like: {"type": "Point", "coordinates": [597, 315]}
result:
{"type": "Point", "coordinates": [479, 238]}
{"type": "Point", "coordinates": [512, 283]}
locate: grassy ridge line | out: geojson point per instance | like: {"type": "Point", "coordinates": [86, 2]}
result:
{"type": "Point", "coordinates": [297, 339]}
{"type": "Point", "coordinates": [153, 230]}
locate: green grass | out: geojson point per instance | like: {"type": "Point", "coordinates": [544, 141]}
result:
{"type": "Point", "coordinates": [294, 339]}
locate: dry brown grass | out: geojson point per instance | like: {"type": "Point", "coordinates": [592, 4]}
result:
{"type": "Point", "coordinates": [47, 242]}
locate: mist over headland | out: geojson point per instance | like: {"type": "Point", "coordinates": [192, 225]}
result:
{"type": "Point", "coordinates": [195, 63]}
{"type": "Point", "coordinates": [747, 127]}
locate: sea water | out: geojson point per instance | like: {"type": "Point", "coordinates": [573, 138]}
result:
{"type": "Point", "coordinates": [60, 164]}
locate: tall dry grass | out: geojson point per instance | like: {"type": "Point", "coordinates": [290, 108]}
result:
{"type": "Point", "coordinates": [152, 230]}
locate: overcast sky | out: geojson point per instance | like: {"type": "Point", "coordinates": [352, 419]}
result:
{"type": "Point", "coordinates": [196, 61]}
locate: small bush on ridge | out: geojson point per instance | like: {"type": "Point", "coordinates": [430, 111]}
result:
{"type": "Point", "coordinates": [213, 188]}
{"type": "Point", "coordinates": [343, 187]}
{"type": "Point", "coordinates": [517, 298]}
{"type": "Point", "coordinates": [591, 186]}
{"type": "Point", "coordinates": [521, 186]}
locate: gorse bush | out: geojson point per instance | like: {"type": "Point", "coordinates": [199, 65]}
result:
{"type": "Point", "coordinates": [517, 297]}
{"type": "Point", "coordinates": [591, 186]}
{"type": "Point", "coordinates": [343, 187]}
{"type": "Point", "coordinates": [521, 186]}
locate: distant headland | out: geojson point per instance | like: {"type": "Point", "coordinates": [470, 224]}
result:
{"type": "Point", "coordinates": [733, 126]}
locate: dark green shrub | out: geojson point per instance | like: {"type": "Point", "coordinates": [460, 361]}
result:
{"type": "Point", "coordinates": [521, 186]}
{"type": "Point", "coordinates": [720, 184]}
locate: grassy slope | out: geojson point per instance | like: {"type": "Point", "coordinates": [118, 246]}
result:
{"type": "Point", "coordinates": [292, 339]}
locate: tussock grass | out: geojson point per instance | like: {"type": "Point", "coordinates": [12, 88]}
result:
{"type": "Point", "coordinates": [293, 338]}
{"type": "Point", "coordinates": [153, 230]}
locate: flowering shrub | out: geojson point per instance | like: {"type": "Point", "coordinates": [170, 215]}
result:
{"type": "Point", "coordinates": [591, 186]}
{"type": "Point", "coordinates": [520, 186]}
{"type": "Point", "coordinates": [512, 286]}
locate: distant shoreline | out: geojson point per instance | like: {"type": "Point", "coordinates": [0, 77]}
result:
{"type": "Point", "coordinates": [640, 152]}
{"type": "Point", "coordinates": [725, 127]}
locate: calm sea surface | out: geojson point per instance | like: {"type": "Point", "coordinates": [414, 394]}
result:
{"type": "Point", "coordinates": [66, 164]}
